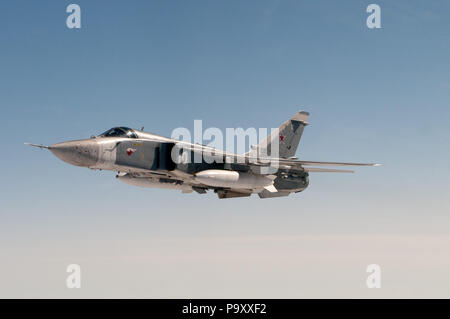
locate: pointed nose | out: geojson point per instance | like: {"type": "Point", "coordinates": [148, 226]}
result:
{"type": "Point", "coordinates": [80, 153]}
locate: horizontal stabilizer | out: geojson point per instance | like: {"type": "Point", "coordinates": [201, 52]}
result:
{"type": "Point", "coordinates": [334, 163]}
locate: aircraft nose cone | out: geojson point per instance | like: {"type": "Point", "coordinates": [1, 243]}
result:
{"type": "Point", "coordinates": [80, 153]}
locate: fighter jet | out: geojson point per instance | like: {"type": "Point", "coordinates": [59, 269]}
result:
{"type": "Point", "coordinates": [149, 160]}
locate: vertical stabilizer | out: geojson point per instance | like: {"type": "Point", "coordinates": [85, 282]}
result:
{"type": "Point", "coordinates": [286, 137]}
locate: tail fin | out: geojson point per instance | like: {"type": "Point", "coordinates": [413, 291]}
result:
{"type": "Point", "coordinates": [287, 137]}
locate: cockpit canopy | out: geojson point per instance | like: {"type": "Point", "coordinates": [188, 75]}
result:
{"type": "Point", "coordinates": [119, 132]}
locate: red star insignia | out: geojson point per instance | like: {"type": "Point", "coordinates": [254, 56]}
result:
{"type": "Point", "coordinates": [281, 138]}
{"type": "Point", "coordinates": [130, 151]}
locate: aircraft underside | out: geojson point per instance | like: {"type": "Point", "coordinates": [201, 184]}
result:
{"type": "Point", "coordinates": [284, 182]}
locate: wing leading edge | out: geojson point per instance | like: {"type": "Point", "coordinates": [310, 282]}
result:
{"type": "Point", "coordinates": [326, 170]}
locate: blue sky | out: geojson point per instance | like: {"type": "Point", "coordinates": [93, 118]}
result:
{"type": "Point", "coordinates": [374, 95]}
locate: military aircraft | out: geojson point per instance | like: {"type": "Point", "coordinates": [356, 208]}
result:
{"type": "Point", "coordinates": [149, 160]}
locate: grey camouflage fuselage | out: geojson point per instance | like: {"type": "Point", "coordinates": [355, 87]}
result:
{"type": "Point", "coordinates": [149, 160]}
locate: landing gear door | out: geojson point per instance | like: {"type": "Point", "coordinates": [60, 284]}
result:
{"type": "Point", "coordinates": [138, 154]}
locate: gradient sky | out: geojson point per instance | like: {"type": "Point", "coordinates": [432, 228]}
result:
{"type": "Point", "coordinates": [374, 96]}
